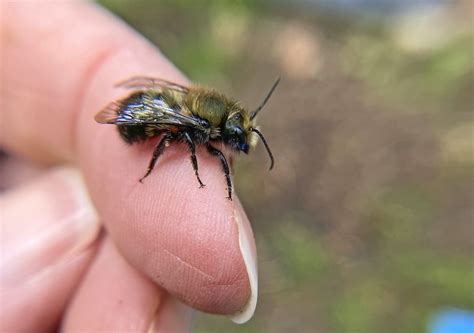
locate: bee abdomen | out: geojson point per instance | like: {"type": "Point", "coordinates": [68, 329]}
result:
{"type": "Point", "coordinates": [131, 134]}
{"type": "Point", "coordinates": [137, 133]}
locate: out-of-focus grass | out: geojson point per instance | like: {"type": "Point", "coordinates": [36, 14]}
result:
{"type": "Point", "coordinates": [201, 37]}
{"type": "Point", "coordinates": [302, 258]}
{"type": "Point", "coordinates": [439, 79]}
{"type": "Point", "coordinates": [410, 265]}
{"type": "Point", "coordinates": [365, 225]}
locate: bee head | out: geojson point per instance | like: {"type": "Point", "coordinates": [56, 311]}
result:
{"type": "Point", "coordinates": [241, 134]}
{"type": "Point", "coordinates": [236, 132]}
{"type": "Point", "coordinates": [240, 128]}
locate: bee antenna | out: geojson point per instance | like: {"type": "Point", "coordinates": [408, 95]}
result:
{"type": "Point", "coordinates": [254, 113]}
{"type": "Point", "coordinates": [272, 161]}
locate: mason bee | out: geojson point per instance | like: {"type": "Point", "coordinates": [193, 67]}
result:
{"type": "Point", "coordinates": [192, 115]}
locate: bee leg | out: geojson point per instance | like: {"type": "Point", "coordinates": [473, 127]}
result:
{"type": "Point", "coordinates": [225, 166]}
{"type": "Point", "coordinates": [160, 147]}
{"type": "Point", "coordinates": [192, 149]}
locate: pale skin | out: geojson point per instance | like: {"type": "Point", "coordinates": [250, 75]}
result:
{"type": "Point", "coordinates": [163, 240]}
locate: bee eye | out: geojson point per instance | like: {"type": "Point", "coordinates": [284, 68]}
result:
{"type": "Point", "coordinates": [237, 117]}
{"type": "Point", "coordinates": [244, 147]}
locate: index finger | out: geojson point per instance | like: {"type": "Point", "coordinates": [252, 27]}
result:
{"type": "Point", "coordinates": [57, 74]}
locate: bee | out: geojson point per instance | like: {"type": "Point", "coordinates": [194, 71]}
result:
{"type": "Point", "coordinates": [192, 115]}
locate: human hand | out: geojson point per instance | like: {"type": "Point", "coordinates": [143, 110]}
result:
{"type": "Point", "coordinates": [165, 238]}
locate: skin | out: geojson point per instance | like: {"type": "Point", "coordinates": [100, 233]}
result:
{"type": "Point", "coordinates": [121, 262]}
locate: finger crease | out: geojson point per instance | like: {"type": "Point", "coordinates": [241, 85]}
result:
{"type": "Point", "coordinates": [192, 267]}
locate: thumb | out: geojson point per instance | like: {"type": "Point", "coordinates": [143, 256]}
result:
{"type": "Point", "coordinates": [48, 229]}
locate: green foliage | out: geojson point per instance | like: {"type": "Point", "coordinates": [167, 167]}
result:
{"type": "Point", "coordinates": [403, 214]}
{"type": "Point", "coordinates": [431, 78]}
{"type": "Point", "coordinates": [302, 256]}
{"type": "Point", "coordinates": [359, 308]}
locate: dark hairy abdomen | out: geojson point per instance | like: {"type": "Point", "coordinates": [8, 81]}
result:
{"type": "Point", "coordinates": [132, 133]}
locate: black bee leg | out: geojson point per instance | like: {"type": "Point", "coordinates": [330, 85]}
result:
{"type": "Point", "coordinates": [192, 149]}
{"type": "Point", "coordinates": [225, 166]}
{"type": "Point", "coordinates": [160, 147]}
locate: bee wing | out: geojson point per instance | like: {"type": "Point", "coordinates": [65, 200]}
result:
{"type": "Point", "coordinates": [109, 114]}
{"type": "Point", "coordinates": [154, 111]}
{"type": "Point", "coordinates": [144, 82]}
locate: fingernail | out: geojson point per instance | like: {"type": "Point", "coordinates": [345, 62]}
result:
{"type": "Point", "coordinates": [249, 254]}
{"type": "Point", "coordinates": [45, 223]}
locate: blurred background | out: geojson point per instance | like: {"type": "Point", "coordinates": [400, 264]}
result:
{"type": "Point", "coordinates": [366, 223]}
